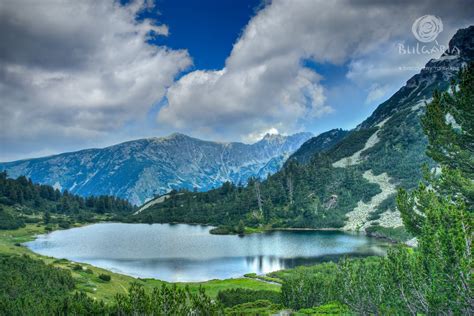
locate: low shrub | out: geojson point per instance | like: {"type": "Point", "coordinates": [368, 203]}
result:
{"type": "Point", "coordinates": [105, 277]}
{"type": "Point", "coordinates": [232, 297]}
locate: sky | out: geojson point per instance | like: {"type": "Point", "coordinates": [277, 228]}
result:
{"type": "Point", "coordinates": [81, 74]}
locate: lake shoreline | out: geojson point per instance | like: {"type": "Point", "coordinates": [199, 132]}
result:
{"type": "Point", "coordinates": [11, 244]}
{"type": "Point", "coordinates": [280, 251]}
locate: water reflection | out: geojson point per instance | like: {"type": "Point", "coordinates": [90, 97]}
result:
{"type": "Point", "coordinates": [189, 253]}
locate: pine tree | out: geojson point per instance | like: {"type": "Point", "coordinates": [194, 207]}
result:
{"type": "Point", "coordinates": [439, 213]}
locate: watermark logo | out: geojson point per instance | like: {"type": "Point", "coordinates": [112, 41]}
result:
{"type": "Point", "coordinates": [426, 28]}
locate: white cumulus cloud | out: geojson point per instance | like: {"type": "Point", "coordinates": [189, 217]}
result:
{"type": "Point", "coordinates": [72, 71]}
{"type": "Point", "coordinates": [265, 83]}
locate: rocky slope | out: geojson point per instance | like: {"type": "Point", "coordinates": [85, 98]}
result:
{"type": "Point", "coordinates": [394, 152]}
{"type": "Point", "coordinates": [140, 169]}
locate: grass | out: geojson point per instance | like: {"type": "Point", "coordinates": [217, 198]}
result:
{"type": "Point", "coordinates": [322, 268]}
{"type": "Point", "coordinates": [88, 279]}
{"type": "Point", "coordinates": [260, 307]}
{"type": "Point", "coordinates": [265, 278]}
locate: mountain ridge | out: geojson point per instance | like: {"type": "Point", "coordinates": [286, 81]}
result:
{"type": "Point", "coordinates": [139, 169]}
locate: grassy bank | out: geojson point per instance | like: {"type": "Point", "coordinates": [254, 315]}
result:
{"type": "Point", "coordinates": [88, 276]}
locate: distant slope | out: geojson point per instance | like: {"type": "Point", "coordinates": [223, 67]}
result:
{"type": "Point", "coordinates": [351, 184]}
{"type": "Point", "coordinates": [140, 169]}
{"type": "Point", "coordinates": [317, 144]}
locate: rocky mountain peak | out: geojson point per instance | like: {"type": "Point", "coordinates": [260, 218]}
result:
{"type": "Point", "coordinates": [464, 41]}
{"type": "Point", "coordinates": [138, 170]}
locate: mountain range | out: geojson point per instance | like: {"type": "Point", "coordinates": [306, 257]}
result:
{"type": "Point", "coordinates": [140, 169]}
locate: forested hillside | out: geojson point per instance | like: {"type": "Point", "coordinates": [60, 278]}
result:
{"type": "Point", "coordinates": [436, 277]}
{"type": "Point", "coordinates": [30, 287]}
{"type": "Point", "coordinates": [23, 201]}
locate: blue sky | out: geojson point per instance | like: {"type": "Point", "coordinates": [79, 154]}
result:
{"type": "Point", "coordinates": [81, 74]}
{"type": "Point", "coordinates": [206, 28]}
{"type": "Point", "coordinates": [216, 25]}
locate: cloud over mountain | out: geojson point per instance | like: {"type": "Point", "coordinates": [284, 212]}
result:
{"type": "Point", "coordinates": [73, 70]}
{"type": "Point", "coordinates": [265, 82]}
{"type": "Point", "coordinates": [77, 74]}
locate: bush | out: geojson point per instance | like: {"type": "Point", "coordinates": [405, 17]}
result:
{"type": "Point", "coordinates": [77, 267]}
{"type": "Point", "coordinates": [335, 308]}
{"type": "Point", "coordinates": [9, 221]}
{"type": "Point", "coordinates": [105, 277]}
{"type": "Point", "coordinates": [239, 296]}
{"type": "Point", "coordinates": [260, 307]}
{"type": "Point", "coordinates": [222, 230]}
{"type": "Point", "coordinates": [64, 224]}
{"type": "Point", "coordinates": [396, 234]}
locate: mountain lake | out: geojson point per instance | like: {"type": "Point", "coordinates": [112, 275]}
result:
{"type": "Point", "coordinates": [189, 253]}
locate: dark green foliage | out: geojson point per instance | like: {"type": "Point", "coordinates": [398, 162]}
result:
{"type": "Point", "coordinates": [77, 267]}
{"type": "Point", "coordinates": [238, 229]}
{"type": "Point", "coordinates": [105, 277]}
{"type": "Point", "coordinates": [318, 144]}
{"type": "Point", "coordinates": [400, 149]}
{"type": "Point", "coordinates": [294, 197]}
{"type": "Point", "coordinates": [46, 218]}
{"type": "Point", "coordinates": [238, 296]}
{"type": "Point", "coordinates": [353, 142]}
{"type": "Point", "coordinates": [333, 308]}
{"type": "Point", "coordinates": [164, 301]}
{"type": "Point", "coordinates": [32, 198]}
{"type": "Point", "coordinates": [89, 271]}
{"type": "Point", "coordinates": [260, 307]}
{"type": "Point", "coordinates": [387, 204]}
{"type": "Point", "coordinates": [30, 287]}
{"type": "Point", "coordinates": [449, 125]}
{"type": "Point", "coordinates": [64, 224]}
{"type": "Point", "coordinates": [223, 230]}
{"type": "Point", "coordinates": [435, 278]}
{"type": "Point", "coordinates": [307, 290]}
{"type": "Point", "coordinates": [395, 234]}
{"type": "Point", "coordinates": [24, 192]}
{"type": "Point", "coordinates": [306, 287]}
{"type": "Point", "coordinates": [9, 220]}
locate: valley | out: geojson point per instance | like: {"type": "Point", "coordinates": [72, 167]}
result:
{"type": "Point", "coordinates": [373, 215]}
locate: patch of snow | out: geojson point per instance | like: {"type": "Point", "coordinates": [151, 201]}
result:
{"type": "Point", "coordinates": [58, 186]}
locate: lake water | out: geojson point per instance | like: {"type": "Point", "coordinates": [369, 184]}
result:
{"type": "Point", "coordinates": [187, 253]}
